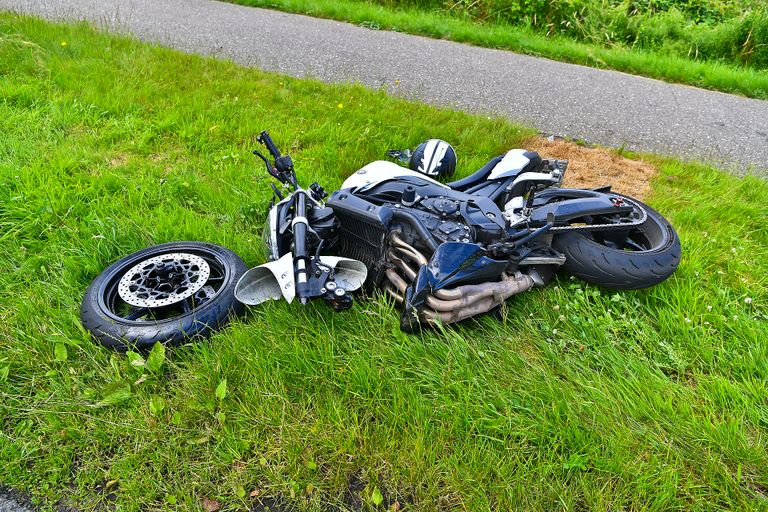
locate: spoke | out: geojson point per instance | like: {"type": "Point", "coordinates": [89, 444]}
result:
{"type": "Point", "coordinates": [631, 244]}
{"type": "Point", "coordinates": [215, 279]}
{"type": "Point", "coordinates": [186, 306]}
{"type": "Point", "coordinates": [137, 313]}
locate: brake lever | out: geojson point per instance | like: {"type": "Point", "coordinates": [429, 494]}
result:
{"type": "Point", "coordinates": [282, 169]}
{"type": "Point", "coordinates": [270, 168]}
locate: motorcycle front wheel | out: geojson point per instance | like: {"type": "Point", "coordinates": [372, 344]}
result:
{"type": "Point", "coordinates": [168, 293]}
{"type": "Point", "coordinates": [643, 256]}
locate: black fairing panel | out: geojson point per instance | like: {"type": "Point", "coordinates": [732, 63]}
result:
{"type": "Point", "coordinates": [572, 204]}
{"type": "Point", "coordinates": [363, 228]}
{"type": "Point", "coordinates": [344, 202]}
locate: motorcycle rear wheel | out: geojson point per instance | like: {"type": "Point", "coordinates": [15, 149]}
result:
{"type": "Point", "coordinates": [644, 256]}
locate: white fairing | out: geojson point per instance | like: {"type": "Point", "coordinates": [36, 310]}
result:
{"type": "Point", "coordinates": [379, 171]}
{"type": "Point", "coordinates": [276, 279]}
{"type": "Point", "coordinates": [271, 235]}
{"type": "Point", "coordinates": [349, 274]}
{"type": "Point", "coordinates": [273, 280]}
{"type": "Point", "coordinates": [512, 163]}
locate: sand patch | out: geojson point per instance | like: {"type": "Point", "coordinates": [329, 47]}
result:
{"type": "Point", "coordinates": [596, 167]}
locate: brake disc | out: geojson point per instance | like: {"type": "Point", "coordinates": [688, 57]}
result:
{"type": "Point", "coordinates": [164, 280]}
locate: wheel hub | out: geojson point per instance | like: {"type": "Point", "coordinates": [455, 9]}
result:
{"type": "Point", "coordinates": [164, 280]}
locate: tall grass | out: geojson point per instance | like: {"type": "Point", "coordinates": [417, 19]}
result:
{"type": "Point", "coordinates": [573, 397]}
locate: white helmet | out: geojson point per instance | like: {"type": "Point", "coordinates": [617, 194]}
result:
{"type": "Point", "coordinates": [435, 158]}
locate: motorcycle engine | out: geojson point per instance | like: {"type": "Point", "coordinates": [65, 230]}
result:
{"type": "Point", "coordinates": [423, 215]}
{"type": "Point", "coordinates": [441, 217]}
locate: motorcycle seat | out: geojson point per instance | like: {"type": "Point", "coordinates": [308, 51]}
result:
{"type": "Point", "coordinates": [512, 163]}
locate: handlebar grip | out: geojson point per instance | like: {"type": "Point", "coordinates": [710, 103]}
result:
{"type": "Point", "coordinates": [265, 139]}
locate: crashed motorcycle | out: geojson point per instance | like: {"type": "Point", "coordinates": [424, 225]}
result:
{"type": "Point", "coordinates": [444, 251]}
{"type": "Point", "coordinates": [449, 251]}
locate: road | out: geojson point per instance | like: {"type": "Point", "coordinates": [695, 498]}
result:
{"type": "Point", "coordinates": [597, 106]}
{"type": "Point", "coordinates": [12, 502]}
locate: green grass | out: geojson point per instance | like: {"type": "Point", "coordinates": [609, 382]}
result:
{"type": "Point", "coordinates": [575, 398]}
{"type": "Point", "coordinates": [663, 65]}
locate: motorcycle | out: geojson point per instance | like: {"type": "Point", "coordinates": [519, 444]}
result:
{"type": "Point", "coordinates": [449, 251]}
{"type": "Point", "coordinates": [444, 251]}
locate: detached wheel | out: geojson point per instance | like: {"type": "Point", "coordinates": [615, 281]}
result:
{"type": "Point", "coordinates": [169, 293]}
{"type": "Point", "coordinates": [640, 257]}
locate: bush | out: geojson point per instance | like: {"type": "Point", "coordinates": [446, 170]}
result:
{"type": "Point", "coordinates": [734, 31]}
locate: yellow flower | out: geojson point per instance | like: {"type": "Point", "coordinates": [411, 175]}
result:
{"type": "Point", "coordinates": [63, 44]}
{"type": "Point", "coordinates": [340, 105]}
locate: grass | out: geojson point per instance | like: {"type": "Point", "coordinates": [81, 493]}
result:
{"type": "Point", "coordinates": [575, 398]}
{"type": "Point", "coordinates": [663, 65]}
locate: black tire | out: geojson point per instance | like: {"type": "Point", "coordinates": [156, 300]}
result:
{"type": "Point", "coordinates": [648, 255]}
{"type": "Point", "coordinates": [103, 310]}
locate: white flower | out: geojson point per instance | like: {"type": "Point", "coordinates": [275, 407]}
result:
{"type": "Point", "coordinates": [709, 308]}
{"type": "Point", "coordinates": [687, 320]}
{"type": "Point", "coordinates": [748, 300]}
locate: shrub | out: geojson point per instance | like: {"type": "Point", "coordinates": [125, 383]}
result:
{"type": "Point", "coordinates": [728, 30]}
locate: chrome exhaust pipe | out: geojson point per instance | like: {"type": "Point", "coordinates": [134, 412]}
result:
{"type": "Point", "coordinates": [448, 305]}
{"type": "Point", "coordinates": [392, 293]}
{"type": "Point", "coordinates": [401, 264]}
{"type": "Point", "coordinates": [463, 296]}
{"type": "Point", "coordinates": [416, 256]}
{"type": "Point", "coordinates": [474, 299]}
{"type": "Point", "coordinates": [397, 281]}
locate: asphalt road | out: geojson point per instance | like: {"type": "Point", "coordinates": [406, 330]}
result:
{"type": "Point", "coordinates": [11, 501]}
{"type": "Point", "coordinates": [597, 106]}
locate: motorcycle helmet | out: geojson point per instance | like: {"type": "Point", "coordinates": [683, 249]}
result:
{"type": "Point", "coordinates": [435, 158]}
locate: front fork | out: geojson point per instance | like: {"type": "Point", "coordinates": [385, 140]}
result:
{"type": "Point", "coordinates": [313, 279]}
{"type": "Point", "coordinates": [301, 259]}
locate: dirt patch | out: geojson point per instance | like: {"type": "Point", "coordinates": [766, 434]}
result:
{"type": "Point", "coordinates": [118, 160]}
{"type": "Point", "coordinates": [596, 167]}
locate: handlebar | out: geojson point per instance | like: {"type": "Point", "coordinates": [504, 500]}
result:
{"type": "Point", "coordinates": [282, 169]}
{"type": "Point", "coordinates": [265, 139]}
